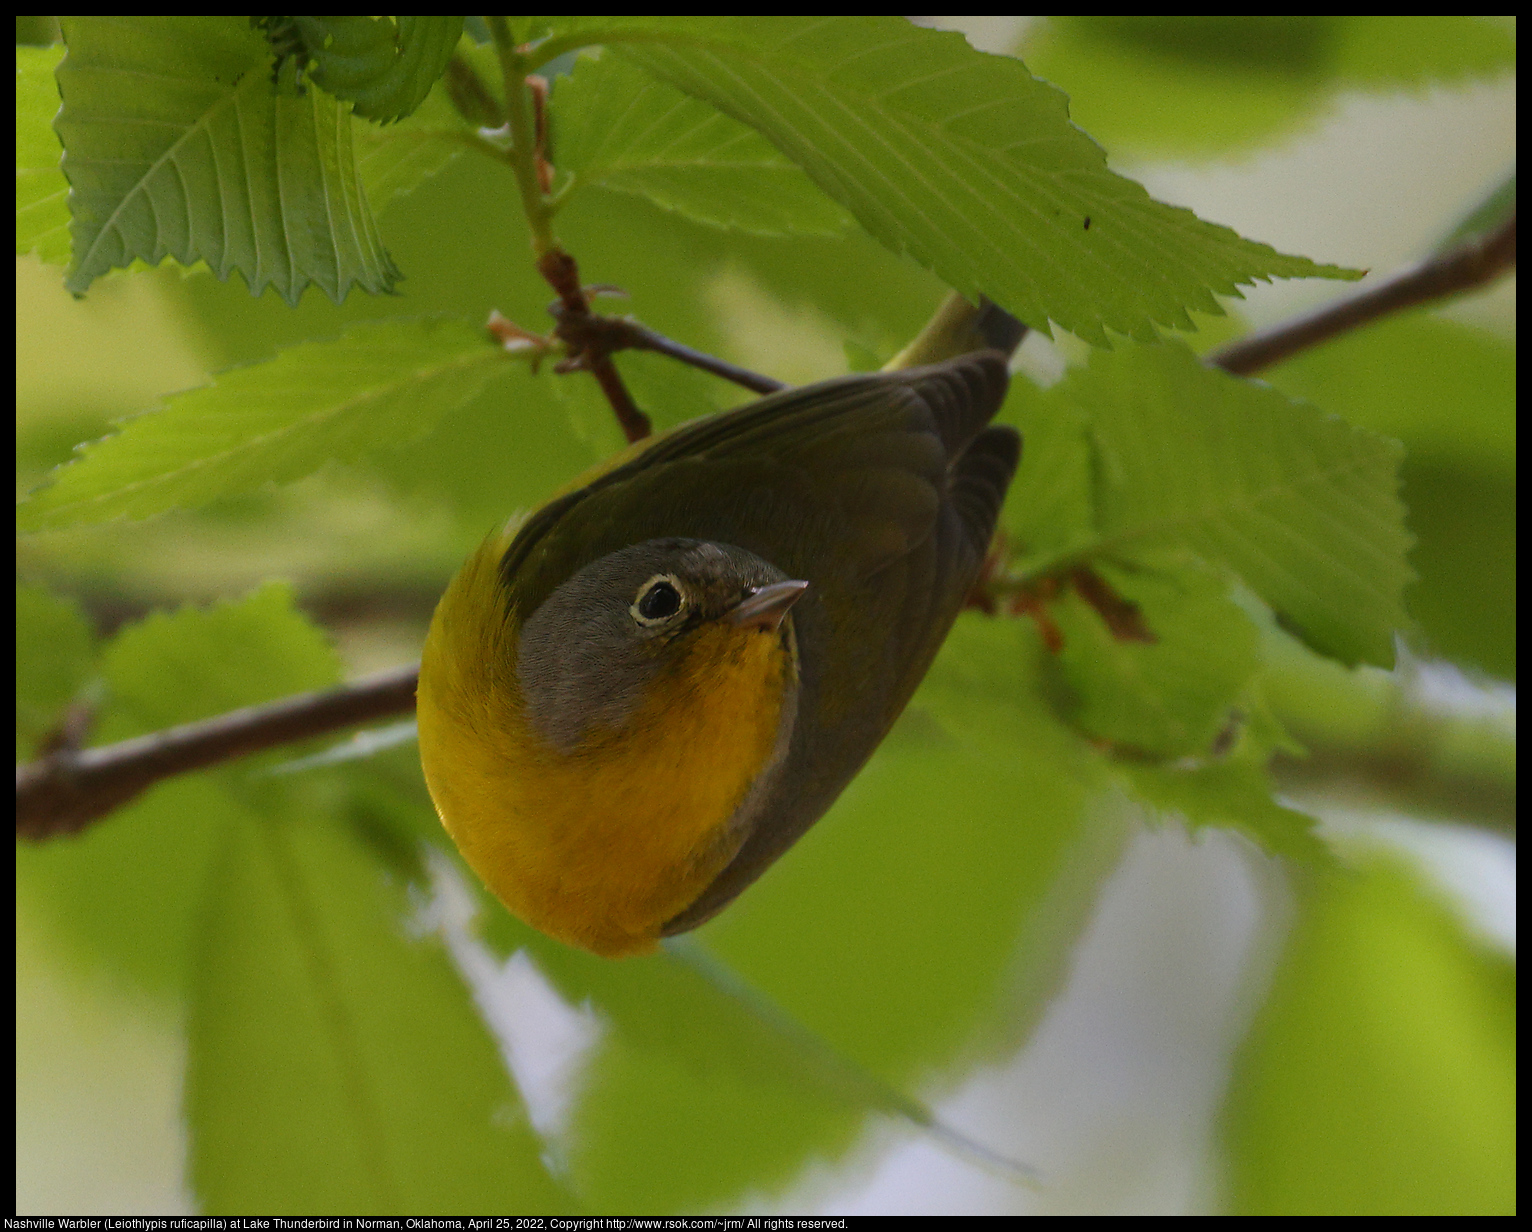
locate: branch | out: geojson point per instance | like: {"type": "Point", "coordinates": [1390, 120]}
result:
{"type": "Point", "coordinates": [1385, 737]}
{"type": "Point", "coordinates": [573, 314]}
{"type": "Point", "coordinates": [1471, 264]}
{"type": "Point", "coordinates": [69, 788]}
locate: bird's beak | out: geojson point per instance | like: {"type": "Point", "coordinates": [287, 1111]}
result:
{"type": "Point", "coordinates": [766, 607]}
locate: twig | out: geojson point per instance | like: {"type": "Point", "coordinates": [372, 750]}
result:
{"type": "Point", "coordinates": [573, 314]}
{"type": "Point", "coordinates": [1471, 264]}
{"type": "Point", "coordinates": [69, 788]}
{"type": "Point", "coordinates": [591, 334]}
{"type": "Point", "coordinates": [640, 337]}
{"type": "Point", "coordinates": [592, 339]}
{"type": "Point", "coordinates": [537, 87]}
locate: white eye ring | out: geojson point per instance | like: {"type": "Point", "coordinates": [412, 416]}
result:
{"type": "Point", "coordinates": [656, 589]}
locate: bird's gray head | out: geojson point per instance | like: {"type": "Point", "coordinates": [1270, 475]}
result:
{"type": "Point", "coordinates": [588, 651]}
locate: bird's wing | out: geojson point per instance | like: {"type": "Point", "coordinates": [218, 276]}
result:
{"type": "Point", "coordinates": [880, 490]}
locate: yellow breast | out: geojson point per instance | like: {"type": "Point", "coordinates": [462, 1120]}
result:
{"type": "Point", "coordinates": [602, 845]}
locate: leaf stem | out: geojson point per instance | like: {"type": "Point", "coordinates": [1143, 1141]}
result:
{"type": "Point", "coordinates": [525, 108]}
{"type": "Point", "coordinates": [514, 68]}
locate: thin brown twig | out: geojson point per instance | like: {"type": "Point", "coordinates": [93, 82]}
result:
{"type": "Point", "coordinates": [1470, 265]}
{"type": "Point", "coordinates": [537, 87]}
{"type": "Point", "coordinates": [597, 334]}
{"type": "Point", "coordinates": [573, 314]}
{"type": "Point", "coordinates": [68, 788]}
{"type": "Point", "coordinates": [592, 339]}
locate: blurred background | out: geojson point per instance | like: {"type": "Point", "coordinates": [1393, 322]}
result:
{"type": "Point", "coordinates": [1362, 153]}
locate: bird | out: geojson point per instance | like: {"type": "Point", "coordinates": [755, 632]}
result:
{"type": "Point", "coordinates": [636, 701]}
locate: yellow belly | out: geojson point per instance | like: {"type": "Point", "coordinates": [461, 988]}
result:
{"type": "Point", "coordinates": [601, 846]}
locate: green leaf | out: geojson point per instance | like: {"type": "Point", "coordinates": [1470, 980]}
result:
{"type": "Point", "coordinates": [1050, 508]}
{"type": "Point", "coordinates": [1448, 391]}
{"type": "Point", "coordinates": [176, 143]}
{"type": "Point", "coordinates": [1192, 730]}
{"type": "Point", "coordinates": [396, 159]}
{"type": "Point", "coordinates": [1380, 1075]}
{"type": "Point", "coordinates": [1445, 388]}
{"type": "Point", "coordinates": [176, 667]}
{"type": "Point", "coordinates": [1299, 504]}
{"type": "Point", "coordinates": [384, 66]}
{"type": "Point", "coordinates": [378, 385]}
{"type": "Point", "coordinates": [962, 160]}
{"type": "Point", "coordinates": [615, 126]}
{"type": "Point", "coordinates": [127, 894]}
{"type": "Point", "coordinates": [42, 209]}
{"type": "Point", "coordinates": [125, 897]}
{"type": "Point", "coordinates": [55, 654]}
{"type": "Point", "coordinates": [1235, 794]}
{"type": "Point", "coordinates": [509, 448]}
{"type": "Point", "coordinates": [688, 1096]}
{"type": "Point", "coordinates": [335, 1063]}
{"type": "Point", "coordinates": [1171, 697]}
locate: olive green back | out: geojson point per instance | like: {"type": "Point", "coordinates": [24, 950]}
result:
{"type": "Point", "coordinates": [881, 491]}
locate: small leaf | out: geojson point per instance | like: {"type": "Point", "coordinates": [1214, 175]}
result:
{"type": "Point", "coordinates": [177, 667]}
{"type": "Point", "coordinates": [1232, 795]}
{"type": "Point", "coordinates": [1299, 504]}
{"type": "Point", "coordinates": [1170, 697]}
{"type": "Point", "coordinates": [1445, 388]}
{"type": "Point", "coordinates": [42, 209]}
{"type": "Point", "coordinates": [176, 143]}
{"type": "Point", "coordinates": [335, 1063]}
{"type": "Point", "coordinates": [127, 894]}
{"type": "Point", "coordinates": [395, 159]}
{"type": "Point", "coordinates": [1050, 508]}
{"type": "Point", "coordinates": [378, 385]}
{"type": "Point", "coordinates": [55, 653]}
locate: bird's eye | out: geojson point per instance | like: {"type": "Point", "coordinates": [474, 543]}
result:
{"type": "Point", "coordinates": [658, 600]}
